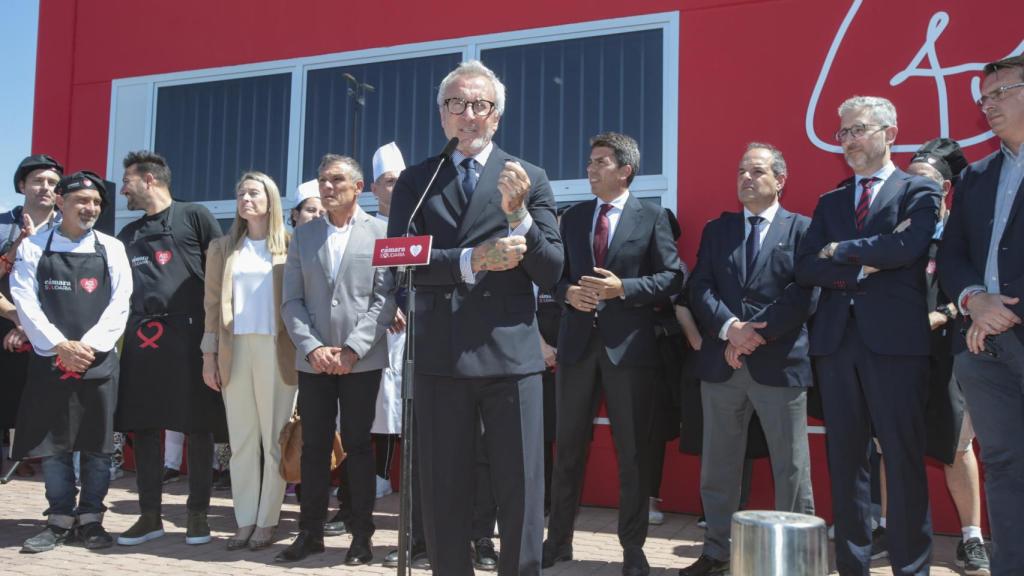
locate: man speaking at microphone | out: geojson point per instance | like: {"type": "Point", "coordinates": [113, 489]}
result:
{"type": "Point", "coordinates": [492, 217]}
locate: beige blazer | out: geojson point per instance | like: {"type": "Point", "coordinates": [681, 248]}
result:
{"type": "Point", "coordinates": [219, 330]}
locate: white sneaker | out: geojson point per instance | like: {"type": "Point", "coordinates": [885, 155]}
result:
{"type": "Point", "coordinates": [383, 487]}
{"type": "Point", "coordinates": [654, 514]}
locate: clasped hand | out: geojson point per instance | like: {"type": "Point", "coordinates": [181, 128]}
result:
{"type": "Point", "coordinates": [332, 360]}
{"type": "Point", "coordinates": [592, 289]}
{"type": "Point", "coordinates": [75, 356]}
{"type": "Point", "coordinates": [499, 254]}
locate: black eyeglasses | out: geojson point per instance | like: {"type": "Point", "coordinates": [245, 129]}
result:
{"type": "Point", "coordinates": [997, 94]}
{"type": "Point", "coordinates": [857, 131]}
{"type": "Point", "coordinates": [458, 106]}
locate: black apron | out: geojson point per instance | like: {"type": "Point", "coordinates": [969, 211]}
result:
{"type": "Point", "coordinates": [13, 365]}
{"type": "Point", "coordinates": [161, 365]}
{"type": "Point", "coordinates": [64, 411]}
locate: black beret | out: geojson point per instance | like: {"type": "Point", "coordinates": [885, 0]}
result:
{"type": "Point", "coordinates": [944, 155]}
{"type": "Point", "coordinates": [82, 180]}
{"type": "Point", "coordinates": [35, 162]}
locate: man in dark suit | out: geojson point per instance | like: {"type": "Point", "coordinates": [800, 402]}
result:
{"type": "Point", "coordinates": [620, 259]}
{"type": "Point", "coordinates": [492, 217]}
{"type": "Point", "coordinates": [981, 266]}
{"type": "Point", "coordinates": [745, 296]}
{"type": "Point", "coordinates": [867, 248]}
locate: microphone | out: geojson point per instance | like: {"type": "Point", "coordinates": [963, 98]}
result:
{"type": "Point", "coordinates": [446, 155]}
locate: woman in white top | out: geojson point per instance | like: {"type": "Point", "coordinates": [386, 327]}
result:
{"type": "Point", "coordinates": [248, 356]}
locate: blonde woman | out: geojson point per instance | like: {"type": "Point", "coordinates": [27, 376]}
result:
{"type": "Point", "coordinates": [247, 354]}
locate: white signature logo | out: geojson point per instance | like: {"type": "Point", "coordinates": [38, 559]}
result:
{"type": "Point", "coordinates": [934, 70]}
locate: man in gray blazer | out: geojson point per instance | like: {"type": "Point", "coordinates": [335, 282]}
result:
{"type": "Point", "coordinates": [337, 309]}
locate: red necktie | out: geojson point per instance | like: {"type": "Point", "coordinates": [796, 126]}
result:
{"type": "Point", "coordinates": [601, 229]}
{"type": "Point", "coordinates": [865, 201]}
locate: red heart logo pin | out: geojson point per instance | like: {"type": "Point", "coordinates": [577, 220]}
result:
{"type": "Point", "coordinates": [163, 256]}
{"type": "Point", "coordinates": [88, 284]}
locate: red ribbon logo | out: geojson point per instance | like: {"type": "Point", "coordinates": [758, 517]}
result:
{"type": "Point", "coordinates": [147, 341]}
{"type": "Point", "coordinates": [88, 284]}
{"type": "Point", "coordinates": [67, 372]}
{"type": "Point", "coordinates": [163, 256]}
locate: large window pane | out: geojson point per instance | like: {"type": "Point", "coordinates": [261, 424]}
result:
{"type": "Point", "coordinates": [212, 132]}
{"type": "Point", "coordinates": [353, 110]}
{"type": "Point", "coordinates": [561, 93]}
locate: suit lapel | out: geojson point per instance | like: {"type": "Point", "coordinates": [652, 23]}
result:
{"type": "Point", "coordinates": [1015, 207]}
{"type": "Point", "coordinates": [587, 224]}
{"type": "Point", "coordinates": [452, 191]}
{"type": "Point", "coordinates": [777, 230]}
{"type": "Point", "coordinates": [737, 256]}
{"type": "Point", "coordinates": [628, 221]}
{"type": "Point", "coordinates": [323, 253]}
{"type": "Point", "coordinates": [486, 192]}
{"type": "Point", "coordinates": [357, 236]}
{"type": "Point", "coordinates": [889, 192]}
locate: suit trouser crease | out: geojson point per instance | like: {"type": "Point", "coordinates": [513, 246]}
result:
{"type": "Point", "coordinates": [319, 399]}
{"type": "Point", "coordinates": [449, 412]}
{"type": "Point", "coordinates": [149, 470]}
{"type": "Point", "coordinates": [628, 393]}
{"type": "Point", "coordinates": [728, 407]}
{"type": "Point", "coordinates": [863, 394]}
{"type": "Point", "coordinates": [258, 404]}
{"type": "Point", "coordinates": [994, 390]}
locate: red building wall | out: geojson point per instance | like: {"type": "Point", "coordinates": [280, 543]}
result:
{"type": "Point", "coordinates": [747, 71]}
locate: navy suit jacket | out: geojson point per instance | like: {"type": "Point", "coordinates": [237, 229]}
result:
{"type": "Point", "coordinates": [890, 307]}
{"type": "Point", "coordinates": [965, 241]}
{"type": "Point", "coordinates": [643, 254]}
{"type": "Point", "coordinates": [720, 290]}
{"type": "Point", "coordinates": [489, 328]}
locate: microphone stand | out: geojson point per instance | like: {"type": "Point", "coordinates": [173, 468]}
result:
{"type": "Point", "coordinates": [406, 490]}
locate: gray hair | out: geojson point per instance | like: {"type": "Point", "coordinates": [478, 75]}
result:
{"type": "Point", "coordinates": [475, 68]}
{"type": "Point", "coordinates": [352, 168]}
{"type": "Point", "coordinates": [882, 110]}
{"type": "Point", "coordinates": [778, 162]}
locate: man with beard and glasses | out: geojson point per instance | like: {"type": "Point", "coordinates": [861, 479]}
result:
{"type": "Point", "coordinates": [867, 249]}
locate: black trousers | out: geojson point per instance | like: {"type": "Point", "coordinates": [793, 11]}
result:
{"type": "Point", "coordinates": [149, 469]}
{"type": "Point", "coordinates": [449, 412]}
{"type": "Point", "coordinates": [865, 393]}
{"type": "Point", "coordinates": [319, 398]}
{"type": "Point", "coordinates": [627, 392]}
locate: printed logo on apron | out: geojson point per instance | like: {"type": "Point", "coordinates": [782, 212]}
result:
{"type": "Point", "coordinates": [163, 256]}
{"type": "Point", "coordinates": [150, 341]}
{"type": "Point", "coordinates": [88, 284]}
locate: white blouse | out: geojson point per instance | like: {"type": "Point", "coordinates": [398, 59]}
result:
{"type": "Point", "coordinates": [252, 289]}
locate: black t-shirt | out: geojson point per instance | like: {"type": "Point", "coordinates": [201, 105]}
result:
{"type": "Point", "coordinates": [194, 227]}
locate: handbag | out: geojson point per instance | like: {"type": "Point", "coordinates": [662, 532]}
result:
{"type": "Point", "coordinates": [291, 450]}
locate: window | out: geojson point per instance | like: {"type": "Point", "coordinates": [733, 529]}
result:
{"type": "Point", "coordinates": [353, 110]}
{"type": "Point", "coordinates": [212, 132]}
{"type": "Point", "coordinates": [562, 93]}
{"type": "Point", "coordinates": [565, 84]}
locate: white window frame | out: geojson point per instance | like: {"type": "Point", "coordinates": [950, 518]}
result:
{"type": "Point", "coordinates": [134, 103]}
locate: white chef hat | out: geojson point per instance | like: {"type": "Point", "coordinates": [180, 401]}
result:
{"type": "Point", "coordinates": [308, 189]}
{"type": "Point", "coordinates": [387, 158]}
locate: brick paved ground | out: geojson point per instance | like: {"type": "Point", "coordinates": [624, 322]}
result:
{"type": "Point", "coordinates": [669, 546]}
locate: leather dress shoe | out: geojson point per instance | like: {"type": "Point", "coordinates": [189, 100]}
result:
{"type": "Point", "coordinates": [359, 552]}
{"type": "Point", "coordinates": [634, 562]}
{"type": "Point", "coordinates": [336, 525]}
{"type": "Point", "coordinates": [304, 544]}
{"type": "Point", "coordinates": [552, 553]}
{"type": "Point", "coordinates": [484, 556]}
{"type": "Point", "coordinates": [418, 555]}
{"type": "Point", "coordinates": [705, 566]}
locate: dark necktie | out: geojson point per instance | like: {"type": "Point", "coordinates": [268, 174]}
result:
{"type": "Point", "coordinates": [865, 201]}
{"type": "Point", "coordinates": [601, 230]}
{"type": "Point", "coordinates": [469, 179]}
{"type": "Point", "coordinates": [753, 241]}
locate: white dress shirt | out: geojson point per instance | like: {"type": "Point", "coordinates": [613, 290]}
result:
{"type": "Point", "coordinates": [42, 333]}
{"type": "Point", "coordinates": [769, 216]}
{"type": "Point", "coordinates": [337, 241]}
{"type": "Point", "coordinates": [614, 213]}
{"type": "Point", "coordinates": [252, 289]}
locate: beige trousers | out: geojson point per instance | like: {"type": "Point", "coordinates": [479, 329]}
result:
{"type": "Point", "coordinates": [258, 404]}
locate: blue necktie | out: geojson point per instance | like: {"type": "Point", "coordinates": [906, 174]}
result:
{"type": "Point", "coordinates": [469, 180]}
{"type": "Point", "coordinates": [753, 242]}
